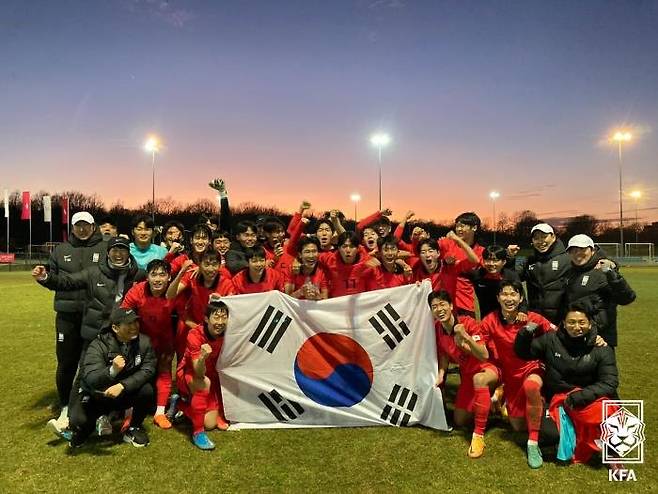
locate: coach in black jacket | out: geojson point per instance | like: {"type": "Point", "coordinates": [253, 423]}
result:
{"type": "Point", "coordinates": [117, 373]}
{"type": "Point", "coordinates": [596, 281]}
{"type": "Point", "coordinates": [84, 249]}
{"type": "Point", "coordinates": [545, 273]}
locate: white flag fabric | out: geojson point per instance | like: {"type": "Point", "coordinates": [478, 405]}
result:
{"type": "Point", "coordinates": [6, 203]}
{"type": "Point", "coordinates": [359, 360]}
{"type": "Point", "coordinates": [47, 209]}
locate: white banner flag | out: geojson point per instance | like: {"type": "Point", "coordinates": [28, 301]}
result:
{"type": "Point", "coordinates": [358, 360]}
{"type": "Point", "coordinates": [6, 203]}
{"type": "Point", "coordinates": [47, 209]}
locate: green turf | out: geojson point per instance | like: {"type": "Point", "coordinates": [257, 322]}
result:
{"type": "Point", "coordinates": [318, 460]}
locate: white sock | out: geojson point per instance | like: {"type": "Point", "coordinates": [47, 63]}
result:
{"type": "Point", "coordinates": [160, 410]}
{"type": "Point", "coordinates": [532, 443]}
{"type": "Point", "coordinates": [64, 414]}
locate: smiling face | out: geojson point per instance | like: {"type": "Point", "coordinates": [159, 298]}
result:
{"type": "Point", "coordinates": [83, 230]}
{"type": "Point", "coordinates": [248, 238]}
{"type": "Point", "coordinates": [256, 267]}
{"type": "Point", "coordinates": [509, 299]}
{"type": "Point", "coordinates": [580, 255]}
{"type": "Point", "coordinates": [209, 268]}
{"type": "Point", "coordinates": [200, 241]}
{"type": "Point", "coordinates": [142, 234]}
{"type": "Point", "coordinates": [126, 331]}
{"type": "Point", "coordinates": [221, 245]}
{"type": "Point", "coordinates": [309, 257]}
{"type": "Point", "coordinates": [275, 237]}
{"type": "Point", "coordinates": [577, 323]}
{"type": "Point", "coordinates": [542, 241]}
{"type": "Point", "coordinates": [441, 310]}
{"type": "Point", "coordinates": [158, 279]}
{"type": "Point", "coordinates": [493, 266]}
{"type": "Point", "coordinates": [348, 252]}
{"type": "Point", "coordinates": [465, 232]}
{"type": "Point", "coordinates": [217, 322]}
{"type": "Point", "coordinates": [389, 253]}
{"type": "Point", "coordinates": [118, 255]}
{"type": "Point", "coordinates": [173, 234]}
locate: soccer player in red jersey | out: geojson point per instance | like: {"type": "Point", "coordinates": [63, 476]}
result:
{"type": "Point", "coordinates": [200, 242]}
{"type": "Point", "coordinates": [325, 233]}
{"type": "Point", "coordinates": [280, 252]}
{"type": "Point", "coordinates": [348, 270]}
{"type": "Point", "coordinates": [453, 254]}
{"type": "Point", "coordinates": [148, 299]}
{"type": "Point", "coordinates": [257, 278]}
{"type": "Point", "coordinates": [195, 289]}
{"type": "Point", "coordinates": [310, 282]}
{"type": "Point", "coordinates": [522, 379]}
{"type": "Point", "coordinates": [390, 271]}
{"type": "Point", "coordinates": [197, 378]}
{"type": "Point", "coordinates": [460, 340]}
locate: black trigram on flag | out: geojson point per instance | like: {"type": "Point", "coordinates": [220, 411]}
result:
{"type": "Point", "coordinates": [271, 328]}
{"type": "Point", "coordinates": [401, 404]}
{"type": "Point", "coordinates": [281, 408]}
{"type": "Point", "coordinates": [388, 327]}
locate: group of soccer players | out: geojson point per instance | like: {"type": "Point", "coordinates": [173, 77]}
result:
{"type": "Point", "coordinates": [172, 293]}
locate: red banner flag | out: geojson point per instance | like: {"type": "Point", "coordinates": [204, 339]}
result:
{"type": "Point", "coordinates": [64, 203]}
{"type": "Point", "coordinates": [26, 212]}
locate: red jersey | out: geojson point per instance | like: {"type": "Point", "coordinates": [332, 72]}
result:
{"type": "Point", "coordinates": [501, 336]}
{"type": "Point", "coordinates": [271, 280]}
{"type": "Point", "coordinates": [318, 278]}
{"type": "Point", "coordinates": [154, 312]}
{"type": "Point", "coordinates": [197, 293]}
{"type": "Point", "coordinates": [445, 345]}
{"type": "Point", "coordinates": [195, 338]}
{"type": "Point", "coordinates": [346, 279]}
{"type": "Point", "coordinates": [420, 274]}
{"type": "Point", "coordinates": [386, 279]}
{"type": "Point", "coordinates": [459, 288]}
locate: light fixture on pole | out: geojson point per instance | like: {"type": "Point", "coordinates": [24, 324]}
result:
{"type": "Point", "coordinates": [494, 195]}
{"type": "Point", "coordinates": [380, 141]}
{"type": "Point", "coordinates": [637, 195]}
{"type": "Point", "coordinates": [152, 145]}
{"type": "Point", "coordinates": [355, 198]}
{"type": "Point", "coordinates": [620, 137]}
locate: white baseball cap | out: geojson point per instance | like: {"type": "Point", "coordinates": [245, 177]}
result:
{"type": "Point", "coordinates": [581, 241]}
{"type": "Point", "coordinates": [82, 216]}
{"type": "Point", "coordinates": [542, 227]}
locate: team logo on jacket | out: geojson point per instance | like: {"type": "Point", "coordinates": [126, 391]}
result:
{"type": "Point", "coordinates": [95, 257]}
{"type": "Point", "coordinates": [555, 265]}
{"type": "Point", "coordinates": [67, 258]}
{"type": "Point", "coordinates": [333, 370]}
{"type": "Point", "coordinates": [585, 280]}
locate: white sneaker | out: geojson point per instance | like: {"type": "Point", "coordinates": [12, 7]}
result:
{"type": "Point", "coordinates": [103, 426]}
{"type": "Point", "coordinates": [63, 432]}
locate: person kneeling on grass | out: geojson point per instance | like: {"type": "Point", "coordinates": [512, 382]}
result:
{"type": "Point", "coordinates": [580, 374]}
{"type": "Point", "coordinates": [458, 339]}
{"type": "Point", "coordinates": [116, 374]}
{"type": "Point", "coordinates": [197, 378]}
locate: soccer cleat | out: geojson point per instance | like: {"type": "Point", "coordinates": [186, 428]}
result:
{"type": "Point", "coordinates": [54, 425]}
{"type": "Point", "coordinates": [136, 436]}
{"type": "Point", "coordinates": [222, 424]}
{"type": "Point", "coordinates": [171, 409]}
{"type": "Point", "coordinates": [535, 459]}
{"type": "Point", "coordinates": [103, 426]}
{"type": "Point", "coordinates": [202, 441]}
{"type": "Point", "coordinates": [162, 421]}
{"type": "Point", "coordinates": [76, 440]}
{"type": "Point", "coordinates": [477, 447]}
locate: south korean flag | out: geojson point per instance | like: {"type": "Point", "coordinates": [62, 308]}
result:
{"type": "Point", "coordinates": [359, 360]}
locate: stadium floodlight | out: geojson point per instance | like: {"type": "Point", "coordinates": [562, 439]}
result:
{"type": "Point", "coordinates": [494, 195]}
{"type": "Point", "coordinates": [152, 145]}
{"type": "Point", "coordinates": [380, 140]}
{"type": "Point", "coordinates": [620, 137]}
{"type": "Point", "coordinates": [355, 198]}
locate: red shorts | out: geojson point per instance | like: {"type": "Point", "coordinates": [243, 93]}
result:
{"type": "Point", "coordinates": [514, 395]}
{"type": "Point", "coordinates": [183, 381]}
{"type": "Point", "coordinates": [466, 392]}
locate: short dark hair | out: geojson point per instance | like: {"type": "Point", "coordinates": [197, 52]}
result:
{"type": "Point", "coordinates": [201, 228]}
{"type": "Point", "coordinates": [469, 218]}
{"type": "Point", "coordinates": [148, 221]}
{"type": "Point", "coordinates": [211, 255]}
{"type": "Point", "coordinates": [272, 225]}
{"type": "Point", "coordinates": [495, 252]}
{"type": "Point", "coordinates": [428, 241]}
{"type": "Point", "coordinates": [243, 226]}
{"type": "Point", "coordinates": [303, 242]}
{"type": "Point", "coordinates": [171, 223]}
{"type": "Point", "coordinates": [388, 240]}
{"type": "Point", "coordinates": [353, 237]}
{"type": "Point", "coordinates": [157, 264]}
{"type": "Point", "coordinates": [216, 306]}
{"type": "Point", "coordinates": [516, 286]}
{"type": "Point", "coordinates": [108, 219]}
{"type": "Point", "coordinates": [255, 251]}
{"type": "Point", "coordinates": [580, 306]}
{"type": "Point", "coordinates": [325, 221]}
{"type": "Point", "coordinates": [439, 294]}
{"type": "Point", "coordinates": [221, 234]}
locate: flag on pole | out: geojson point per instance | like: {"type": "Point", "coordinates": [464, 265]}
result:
{"type": "Point", "coordinates": [26, 212]}
{"type": "Point", "coordinates": [6, 203]}
{"type": "Point", "coordinates": [64, 203]}
{"type": "Point", "coordinates": [47, 210]}
{"type": "Point", "coordinates": [359, 360]}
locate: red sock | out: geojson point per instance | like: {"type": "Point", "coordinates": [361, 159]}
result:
{"type": "Point", "coordinates": [163, 388]}
{"type": "Point", "coordinates": [481, 407]}
{"type": "Point", "coordinates": [533, 408]}
{"type": "Point", "coordinates": [197, 410]}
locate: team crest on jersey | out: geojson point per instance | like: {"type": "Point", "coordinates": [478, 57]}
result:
{"type": "Point", "coordinates": [585, 280]}
{"type": "Point", "coordinates": [95, 257]}
{"type": "Point", "coordinates": [476, 337]}
{"type": "Point", "coordinates": [67, 258]}
{"type": "Point", "coordinates": [555, 265]}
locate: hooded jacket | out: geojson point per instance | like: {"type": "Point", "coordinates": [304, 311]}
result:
{"type": "Point", "coordinates": [571, 363]}
{"type": "Point", "coordinates": [545, 277]}
{"type": "Point", "coordinates": [72, 257]}
{"type": "Point", "coordinates": [140, 359]}
{"type": "Point", "coordinates": [100, 286]}
{"type": "Point", "coordinates": [601, 291]}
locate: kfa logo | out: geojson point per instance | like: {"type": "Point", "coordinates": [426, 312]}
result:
{"type": "Point", "coordinates": [622, 436]}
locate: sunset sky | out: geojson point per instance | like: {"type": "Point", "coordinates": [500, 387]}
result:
{"type": "Point", "coordinates": [279, 99]}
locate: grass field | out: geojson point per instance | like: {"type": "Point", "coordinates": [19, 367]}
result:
{"type": "Point", "coordinates": [315, 460]}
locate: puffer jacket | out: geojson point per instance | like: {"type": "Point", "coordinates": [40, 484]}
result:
{"type": "Point", "coordinates": [545, 277]}
{"type": "Point", "coordinates": [99, 283]}
{"type": "Point", "coordinates": [601, 292]}
{"type": "Point", "coordinates": [571, 363]}
{"type": "Point", "coordinates": [72, 257]}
